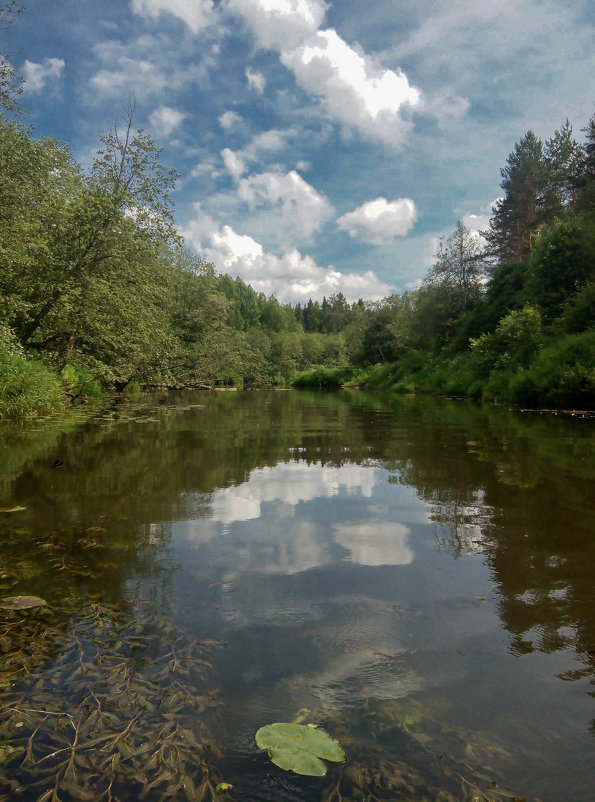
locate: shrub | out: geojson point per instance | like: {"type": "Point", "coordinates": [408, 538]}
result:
{"type": "Point", "coordinates": [27, 387]}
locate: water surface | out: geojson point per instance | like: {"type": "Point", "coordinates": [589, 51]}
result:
{"type": "Point", "coordinates": [414, 575]}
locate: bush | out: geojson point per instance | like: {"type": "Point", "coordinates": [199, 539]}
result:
{"type": "Point", "coordinates": [27, 387]}
{"type": "Point", "coordinates": [513, 344]}
{"type": "Point", "coordinates": [324, 378]}
{"type": "Point", "coordinates": [562, 375]}
{"type": "Point", "coordinates": [79, 381]}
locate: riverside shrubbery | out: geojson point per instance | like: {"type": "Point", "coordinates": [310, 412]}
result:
{"type": "Point", "coordinates": [27, 386]}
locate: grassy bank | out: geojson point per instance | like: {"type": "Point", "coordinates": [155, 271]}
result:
{"type": "Point", "coordinates": [555, 372]}
{"type": "Point", "coordinates": [27, 386]}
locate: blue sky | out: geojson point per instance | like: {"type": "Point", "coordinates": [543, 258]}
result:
{"type": "Point", "coordinates": [321, 146]}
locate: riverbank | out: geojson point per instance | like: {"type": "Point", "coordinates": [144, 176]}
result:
{"type": "Point", "coordinates": [558, 372]}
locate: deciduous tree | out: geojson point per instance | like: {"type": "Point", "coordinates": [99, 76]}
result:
{"type": "Point", "coordinates": [459, 267]}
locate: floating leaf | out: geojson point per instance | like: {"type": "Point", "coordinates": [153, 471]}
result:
{"type": "Point", "coordinates": [223, 787]}
{"type": "Point", "coordinates": [21, 602]}
{"type": "Point", "coordinates": [299, 748]}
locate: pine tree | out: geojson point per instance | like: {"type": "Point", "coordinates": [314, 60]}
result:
{"type": "Point", "coordinates": [586, 172]}
{"type": "Point", "coordinates": [517, 215]}
{"type": "Point", "coordinates": [562, 160]}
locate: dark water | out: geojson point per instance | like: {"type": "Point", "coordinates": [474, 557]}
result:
{"type": "Point", "coordinates": [414, 575]}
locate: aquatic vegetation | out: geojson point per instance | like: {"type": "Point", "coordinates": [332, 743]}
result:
{"type": "Point", "coordinates": [301, 748]}
{"type": "Point", "coordinates": [397, 751]}
{"type": "Point", "coordinates": [106, 703]}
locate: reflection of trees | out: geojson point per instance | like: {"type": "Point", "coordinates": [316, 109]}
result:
{"type": "Point", "coordinates": [517, 489]}
{"type": "Point", "coordinates": [460, 525]}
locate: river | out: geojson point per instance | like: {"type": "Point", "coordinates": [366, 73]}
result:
{"type": "Point", "coordinates": [415, 576]}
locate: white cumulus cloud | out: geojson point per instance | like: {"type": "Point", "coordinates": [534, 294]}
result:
{"type": "Point", "coordinates": [355, 90]}
{"type": "Point", "coordinates": [133, 69]}
{"type": "Point", "coordinates": [280, 23]}
{"type": "Point", "coordinates": [165, 120]}
{"type": "Point", "coordinates": [303, 209]}
{"type": "Point", "coordinates": [195, 13]}
{"type": "Point", "coordinates": [37, 75]}
{"type": "Point", "coordinates": [256, 80]}
{"type": "Point", "coordinates": [289, 275]}
{"type": "Point", "coordinates": [234, 164]}
{"type": "Point", "coordinates": [353, 87]}
{"type": "Point", "coordinates": [379, 221]}
{"type": "Point", "coordinates": [229, 119]}
{"type": "Point", "coordinates": [446, 105]}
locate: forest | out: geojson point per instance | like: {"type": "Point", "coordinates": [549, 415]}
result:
{"type": "Point", "coordinates": [99, 293]}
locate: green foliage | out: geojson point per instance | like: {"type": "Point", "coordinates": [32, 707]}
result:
{"type": "Point", "coordinates": [325, 378]}
{"type": "Point", "coordinates": [562, 375]}
{"type": "Point", "coordinates": [27, 387]}
{"type": "Point", "coordinates": [579, 311]}
{"type": "Point", "coordinates": [299, 748]}
{"type": "Point", "coordinates": [78, 381]}
{"type": "Point", "coordinates": [562, 262]}
{"type": "Point", "coordinates": [513, 343]}
{"type": "Point", "coordinates": [459, 268]}
{"type": "Point", "coordinates": [95, 281]}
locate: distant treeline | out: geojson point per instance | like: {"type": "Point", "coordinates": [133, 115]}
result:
{"type": "Point", "coordinates": [98, 291]}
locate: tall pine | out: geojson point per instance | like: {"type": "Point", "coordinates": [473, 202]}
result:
{"type": "Point", "coordinates": [562, 161]}
{"type": "Point", "coordinates": [586, 177]}
{"type": "Point", "coordinates": [517, 215]}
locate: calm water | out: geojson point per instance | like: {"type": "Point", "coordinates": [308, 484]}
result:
{"type": "Point", "coordinates": [414, 575]}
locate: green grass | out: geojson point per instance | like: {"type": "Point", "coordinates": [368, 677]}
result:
{"type": "Point", "coordinates": [27, 387]}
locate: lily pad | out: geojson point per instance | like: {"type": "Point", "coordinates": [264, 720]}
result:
{"type": "Point", "coordinates": [299, 748]}
{"type": "Point", "coordinates": [21, 602]}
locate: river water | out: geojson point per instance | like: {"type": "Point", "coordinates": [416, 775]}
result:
{"type": "Point", "coordinates": [413, 575]}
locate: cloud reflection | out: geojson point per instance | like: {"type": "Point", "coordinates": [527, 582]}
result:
{"type": "Point", "coordinates": [272, 523]}
{"type": "Point", "coordinates": [375, 542]}
{"type": "Point", "coordinates": [292, 483]}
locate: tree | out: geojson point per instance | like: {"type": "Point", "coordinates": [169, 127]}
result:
{"type": "Point", "coordinates": [516, 216]}
{"type": "Point", "coordinates": [562, 159]}
{"type": "Point", "coordinates": [378, 342]}
{"type": "Point", "coordinates": [11, 84]}
{"type": "Point", "coordinates": [459, 267]}
{"type": "Point", "coordinates": [563, 262]}
{"type": "Point", "coordinates": [39, 184]}
{"type": "Point", "coordinates": [122, 206]}
{"type": "Point", "coordinates": [586, 177]}
{"type": "Point", "coordinates": [337, 312]}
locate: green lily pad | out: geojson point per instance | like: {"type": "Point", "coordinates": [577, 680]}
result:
{"type": "Point", "coordinates": [21, 602]}
{"type": "Point", "coordinates": [299, 748]}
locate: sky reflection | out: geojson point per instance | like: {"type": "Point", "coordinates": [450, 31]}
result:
{"type": "Point", "coordinates": [297, 516]}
